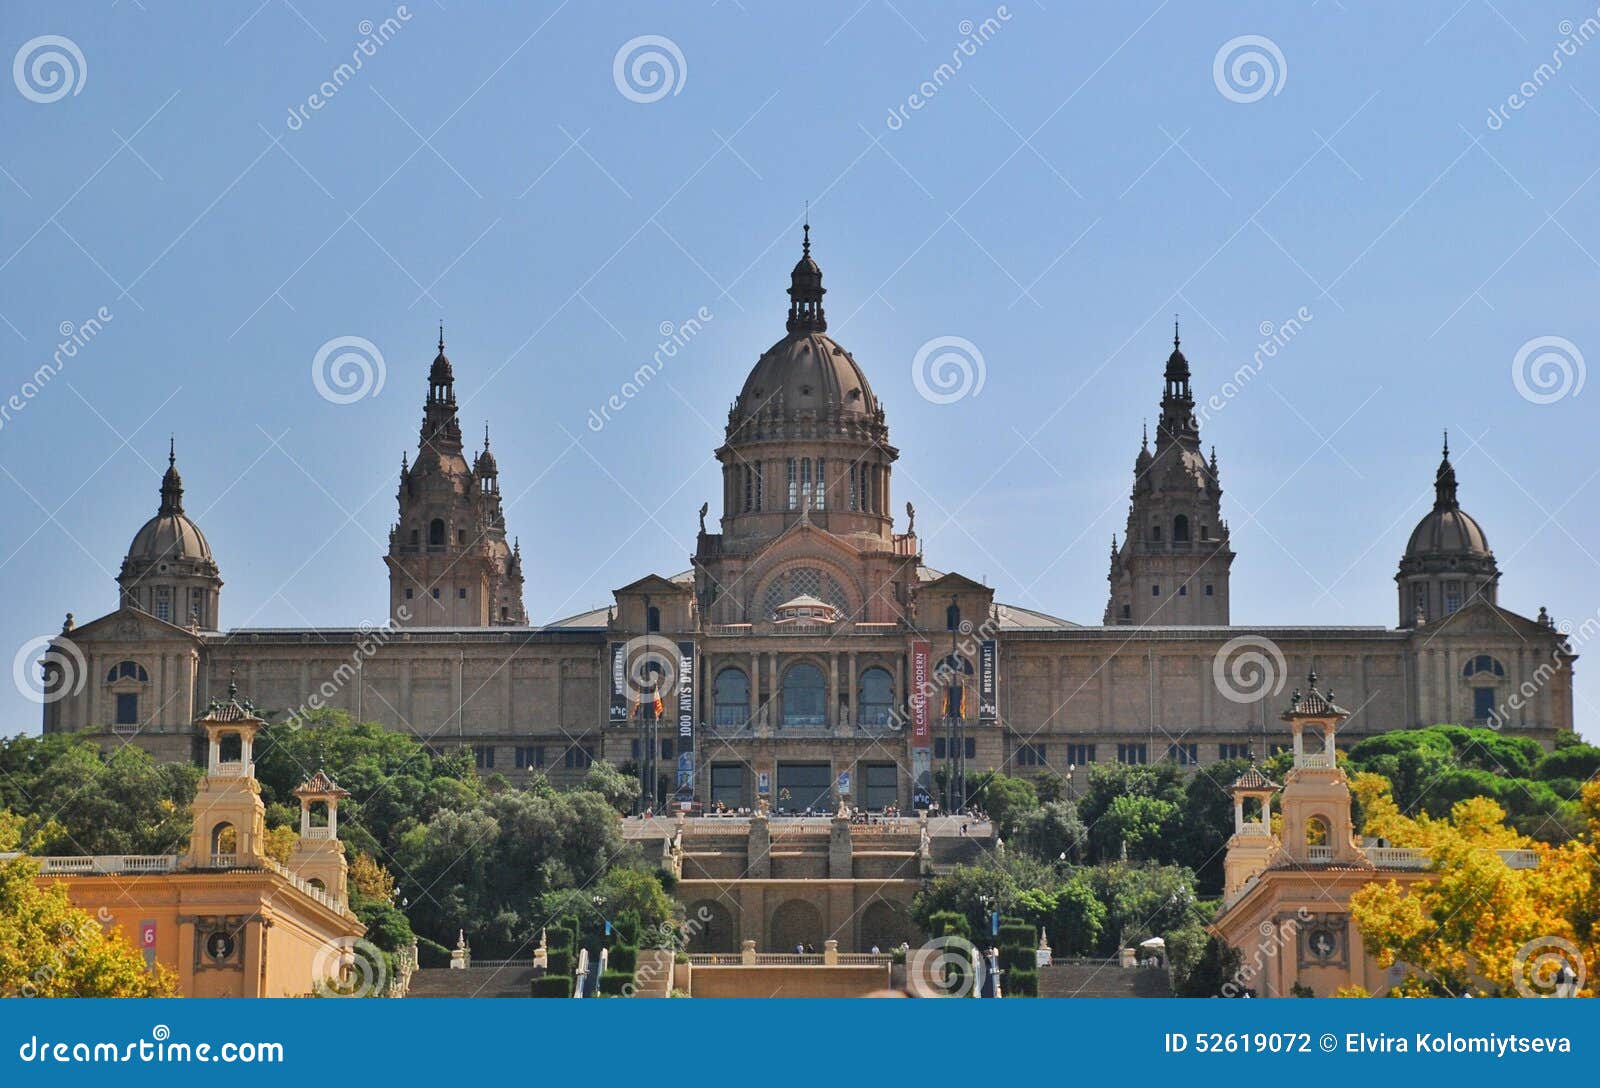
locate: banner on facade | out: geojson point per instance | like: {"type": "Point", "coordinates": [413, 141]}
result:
{"type": "Point", "coordinates": [922, 690]}
{"type": "Point", "coordinates": [989, 681]}
{"type": "Point", "coordinates": [619, 682]}
{"type": "Point", "coordinates": [685, 791]}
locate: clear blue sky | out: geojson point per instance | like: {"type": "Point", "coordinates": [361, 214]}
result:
{"type": "Point", "coordinates": [1080, 178]}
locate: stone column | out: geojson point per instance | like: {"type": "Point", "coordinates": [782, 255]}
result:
{"type": "Point", "coordinates": [755, 684]}
{"type": "Point", "coordinates": [851, 680]}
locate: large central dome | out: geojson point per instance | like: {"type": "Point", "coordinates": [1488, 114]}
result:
{"type": "Point", "coordinates": [807, 374]}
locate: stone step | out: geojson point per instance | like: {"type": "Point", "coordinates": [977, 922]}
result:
{"type": "Point", "coordinates": [472, 982]}
{"type": "Point", "coordinates": [1103, 979]}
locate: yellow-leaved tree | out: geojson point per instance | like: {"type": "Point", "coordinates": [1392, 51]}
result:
{"type": "Point", "coordinates": [1481, 926]}
{"type": "Point", "coordinates": [49, 948]}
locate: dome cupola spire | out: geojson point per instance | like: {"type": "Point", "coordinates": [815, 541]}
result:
{"type": "Point", "coordinates": [806, 291]}
{"type": "Point", "coordinates": [171, 484]}
{"type": "Point", "coordinates": [1444, 481]}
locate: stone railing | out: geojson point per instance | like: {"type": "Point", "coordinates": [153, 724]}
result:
{"type": "Point", "coordinates": [111, 864]}
{"type": "Point", "coordinates": [1254, 829]}
{"type": "Point", "coordinates": [1319, 853]}
{"type": "Point", "coordinates": [1398, 857]}
{"type": "Point", "coordinates": [224, 861]}
{"type": "Point", "coordinates": [317, 834]}
{"type": "Point", "coordinates": [319, 894]}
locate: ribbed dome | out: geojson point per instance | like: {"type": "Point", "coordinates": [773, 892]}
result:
{"type": "Point", "coordinates": [1448, 532]}
{"type": "Point", "coordinates": [167, 539]}
{"type": "Point", "coordinates": [806, 373]}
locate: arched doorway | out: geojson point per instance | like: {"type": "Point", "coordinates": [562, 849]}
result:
{"type": "Point", "coordinates": [709, 928]}
{"type": "Point", "coordinates": [796, 922]}
{"type": "Point", "coordinates": [886, 924]}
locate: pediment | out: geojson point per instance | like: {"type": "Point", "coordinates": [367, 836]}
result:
{"type": "Point", "coordinates": [130, 624]}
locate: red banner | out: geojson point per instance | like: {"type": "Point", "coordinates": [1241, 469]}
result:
{"type": "Point", "coordinates": [921, 692]}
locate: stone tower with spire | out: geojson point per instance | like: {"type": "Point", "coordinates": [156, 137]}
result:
{"type": "Point", "coordinates": [1172, 566]}
{"type": "Point", "coordinates": [168, 570]}
{"type": "Point", "coordinates": [450, 564]}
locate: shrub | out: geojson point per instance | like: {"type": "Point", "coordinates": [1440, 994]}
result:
{"type": "Point", "coordinates": [552, 986]}
{"type": "Point", "coordinates": [949, 923]}
{"type": "Point", "coordinates": [432, 953]}
{"type": "Point", "coordinates": [624, 958]}
{"type": "Point", "coordinates": [616, 983]}
{"type": "Point", "coordinates": [1021, 982]}
{"type": "Point", "coordinates": [561, 962]}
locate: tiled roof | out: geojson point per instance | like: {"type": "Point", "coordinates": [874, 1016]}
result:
{"type": "Point", "coordinates": [1253, 779]}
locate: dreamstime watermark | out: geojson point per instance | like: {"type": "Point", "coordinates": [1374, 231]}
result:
{"type": "Point", "coordinates": [674, 338]}
{"type": "Point", "coordinates": [946, 967]}
{"type": "Point", "coordinates": [156, 1049]}
{"type": "Point", "coordinates": [947, 369]}
{"type": "Point", "coordinates": [648, 68]}
{"type": "Point", "coordinates": [1573, 38]}
{"type": "Point", "coordinates": [374, 36]}
{"type": "Point", "coordinates": [1549, 967]}
{"type": "Point", "coordinates": [1529, 687]}
{"type": "Point", "coordinates": [973, 37]}
{"type": "Point", "coordinates": [1274, 338]}
{"type": "Point", "coordinates": [1248, 68]}
{"type": "Point", "coordinates": [949, 670]}
{"type": "Point", "coordinates": [1276, 937]}
{"type": "Point", "coordinates": [64, 670]}
{"type": "Point", "coordinates": [1249, 668]}
{"type": "Point", "coordinates": [373, 638]}
{"type": "Point", "coordinates": [650, 666]}
{"type": "Point", "coordinates": [350, 967]}
{"type": "Point", "coordinates": [74, 338]}
{"type": "Point", "coordinates": [674, 938]}
{"type": "Point", "coordinates": [1547, 369]}
{"type": "Point", "coordinates": [48, 68]}
{"type": "Point", "coordinates": [347, 369]}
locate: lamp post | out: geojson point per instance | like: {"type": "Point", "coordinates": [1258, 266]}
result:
{"type": "Point", "coordinates": [1071, 792]}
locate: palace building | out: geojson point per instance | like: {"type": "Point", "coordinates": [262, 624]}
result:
{"type": "Point", "coordinates": [811, 654]}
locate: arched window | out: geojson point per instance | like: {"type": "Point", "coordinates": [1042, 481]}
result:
{"type": "Point", "coordinates": [1317, 831]}
{"type": "Point", "coordinates": [224, 843]}
{"type": "Point", "coordinates": [127, 670]}
{"type": "Point", "coordinates": [1483, 663]}
{"type": "Point", "coordinates": [805, 696]}
{"type": "Point", "coordinates": [875, 698]}
{"type": "Point", "coordinates": [436, 533]}
{"type": "Point", "coordinates": [1180, 529]}
{"type": "Point", "coordinates": [1155, 532]}
{"type": "Point", "coordinates": [730, 698]}
{"type": "Point", "coordinates": [952, 618]}
{"type": "Point", "coordinates": [652, 619]}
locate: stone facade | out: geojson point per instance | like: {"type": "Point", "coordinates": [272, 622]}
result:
{"type": "Point", "coordinates": [810, 655]}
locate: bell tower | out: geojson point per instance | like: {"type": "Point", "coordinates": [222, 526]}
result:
{"type": "Point", "coordinates": [1317, 828]}
{"type": "Point", "coordinates": [1172, 567]}
{"type": "Point", "coordinates": [450, 564]}
{"type": "Point", "coordinates": [318, 855]}
{"type": "Point", "coordinates": [230, 822]}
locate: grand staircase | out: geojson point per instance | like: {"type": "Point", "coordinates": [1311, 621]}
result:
{"type": "Point", "coordinates": [653, 975]}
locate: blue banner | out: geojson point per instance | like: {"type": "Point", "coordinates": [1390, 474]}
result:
{"type": "Point", "coordinates": [1308, 1042]}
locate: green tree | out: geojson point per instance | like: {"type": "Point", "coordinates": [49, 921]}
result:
{"type": "Point", "coordinates": [77, 799]}
{"type": "Point", "coordinates": [1053, 832]}
{"type": "Point", "coordinates": [1007, 800]}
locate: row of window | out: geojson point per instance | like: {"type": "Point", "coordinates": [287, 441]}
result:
{"type": "Point", "coordinates": [531, 756]}
{"type": "Point", "coordinates": [461, 593]}
{"type": "Point", "coordinates": [1183, 589]}
{"type": "Point", "coordinates": [806, 485]}
{"type": "Point", "coordinates": [1184, 754]}
{"type": "Point", "coordinates": [436, 535]}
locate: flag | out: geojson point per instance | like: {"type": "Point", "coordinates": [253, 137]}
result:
{"type": "Point", "coordinates": [658, 707]}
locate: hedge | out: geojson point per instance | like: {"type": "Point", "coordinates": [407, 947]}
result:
{"type": "Point", "coordinates": [616, 983]}
{"type": "Point", "coordinates": [560, 962]}
{"type": "Point", "coordinates": [624, 958]}
{"type": "Point", "coordinates": [1021, 983]}
{"type": "Point", "coordinates": [552, 986]}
